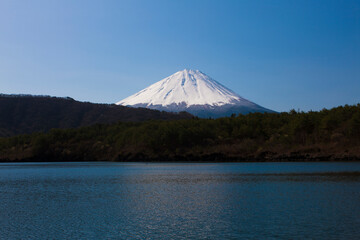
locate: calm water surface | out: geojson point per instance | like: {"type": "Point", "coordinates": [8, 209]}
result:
{"type": "Point", "coordinates": [180, 201]}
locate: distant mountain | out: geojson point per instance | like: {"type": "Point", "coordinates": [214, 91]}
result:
{"type": "Point", "coordinates": [26, 114]}
{"type": "Point", "coordinates": [194, 92]}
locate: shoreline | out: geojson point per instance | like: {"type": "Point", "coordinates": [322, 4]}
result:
{"type": "Point", "coordinates": [193, 160]}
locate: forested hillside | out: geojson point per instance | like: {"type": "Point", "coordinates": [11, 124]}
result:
{"type": "Point", "coordinates": [294, 136]}
{"type": "Point", "coordinates": [21, 114]}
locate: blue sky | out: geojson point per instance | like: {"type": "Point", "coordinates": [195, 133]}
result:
{"type": "Point", "coordinates": [280, 54]}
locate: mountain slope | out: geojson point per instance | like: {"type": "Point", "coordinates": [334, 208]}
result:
{"type": "Point", "coordinates": [21, 114]}
{"type": "Point", "coordinates": [194, 92]}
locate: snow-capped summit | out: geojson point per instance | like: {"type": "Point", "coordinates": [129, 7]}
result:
{"type": "Point", "coordinates": [194, 92]}
{"type": "Point", "coordinates": [189, 87]}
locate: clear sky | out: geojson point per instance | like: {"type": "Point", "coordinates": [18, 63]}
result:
{"type": "Point", "coordinates": [280, 54]}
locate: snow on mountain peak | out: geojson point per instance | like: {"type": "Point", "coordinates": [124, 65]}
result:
{"type": "Point", "coordinates": [187, 87]}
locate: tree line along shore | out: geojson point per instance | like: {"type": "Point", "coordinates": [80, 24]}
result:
{"type": "Point", "coordinates": [326, 135]}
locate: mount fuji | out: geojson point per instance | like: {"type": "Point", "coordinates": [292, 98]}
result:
{"type": "Point", "coordinates": [194, 92]}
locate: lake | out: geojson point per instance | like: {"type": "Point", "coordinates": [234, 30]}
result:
{"type": "Point", "coordinates": [179, 200]}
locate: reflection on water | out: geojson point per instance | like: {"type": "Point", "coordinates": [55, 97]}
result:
{"type": "Point", "coordinates": [180, 201]}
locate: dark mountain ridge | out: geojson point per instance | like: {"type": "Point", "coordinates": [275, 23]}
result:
{"type": "Point", "coordinates": [20, 114]}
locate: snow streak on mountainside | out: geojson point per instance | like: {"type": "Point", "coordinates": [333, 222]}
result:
{"type": "Point", "coordinates": [194, 92]}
